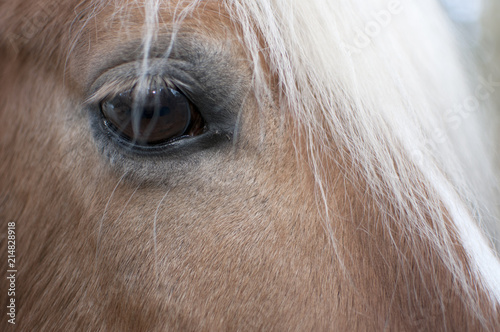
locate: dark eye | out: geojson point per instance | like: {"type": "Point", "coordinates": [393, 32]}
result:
{"type": "Point", "coordinates": [156, 116]}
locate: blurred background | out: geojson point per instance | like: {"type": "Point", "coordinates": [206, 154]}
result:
{"type": "Point", "coordinates": [479, 25]}
{"type": "Point", "coordinates": [489, 33]}
{"type": "Point", "coordinates": [467, 13]}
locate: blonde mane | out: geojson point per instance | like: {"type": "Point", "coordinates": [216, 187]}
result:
{"type": "Point", "coordinates": [387, 111]}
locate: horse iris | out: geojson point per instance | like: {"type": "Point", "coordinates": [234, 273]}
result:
{"type": "Point", "coordinates": [151, 118]}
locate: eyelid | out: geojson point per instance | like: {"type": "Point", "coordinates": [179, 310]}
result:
{"type": "Point", "coordinates": [119, 85]}
{"type": "Point", "coordinates": [126, 76]}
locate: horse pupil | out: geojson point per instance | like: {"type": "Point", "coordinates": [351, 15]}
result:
{"type": "Point", "coordinates": [156, 117]}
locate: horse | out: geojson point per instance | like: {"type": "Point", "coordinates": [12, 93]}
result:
{"type": "Point", "coordinates": [244, 165]}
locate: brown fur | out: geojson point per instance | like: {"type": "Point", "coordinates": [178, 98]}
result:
{"type": "Point", "coordinates": [239, 237]}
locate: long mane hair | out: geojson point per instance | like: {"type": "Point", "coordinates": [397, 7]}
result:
{"type": "Point", "coordinates": [387, 112]}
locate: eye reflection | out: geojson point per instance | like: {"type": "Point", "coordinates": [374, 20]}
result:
{"type": "Point", "coordinates": [155, 116]}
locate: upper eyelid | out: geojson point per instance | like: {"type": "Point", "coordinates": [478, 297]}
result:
{"type": "Point", "coordinates": [111, 89]}
{"type": "Point", "coordinates": [127, 76]}
{"type": "Point", "coordinates": [188, 48]}
{"type": "Point", "coordinates": [117, 86]}
{"type": "Point", "coordinates": [132, 50]}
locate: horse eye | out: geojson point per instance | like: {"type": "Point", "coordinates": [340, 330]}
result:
{"type": "Point", "coordinates": [157, 116]}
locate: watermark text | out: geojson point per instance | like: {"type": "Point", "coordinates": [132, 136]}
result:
{"type": "Point", "coordinates": [11, 271]}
